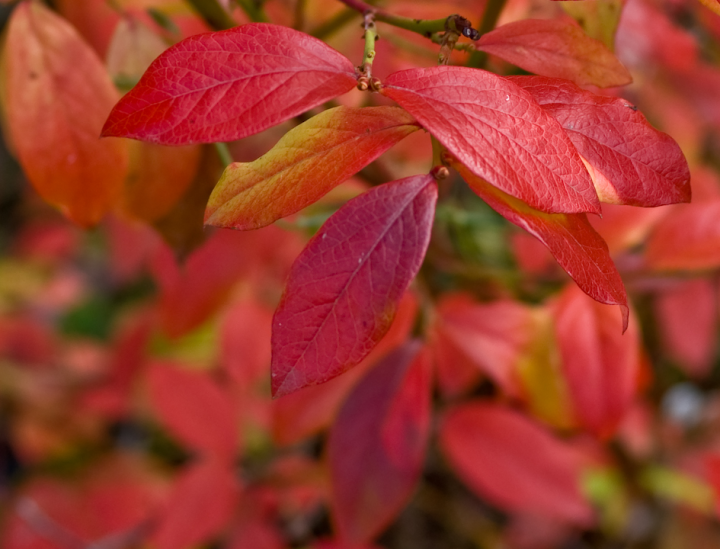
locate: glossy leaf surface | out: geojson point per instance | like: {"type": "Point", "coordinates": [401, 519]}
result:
{"type": "Point", "coordinates": [488, 445]}
{"type": "Point", "coordinates": [377, 444]}
{"type": "Point", "coordinates": [630, 161]}
{"type": "Point", "coordinates": [499, 132]}
{"type": "Point", "coordinates": [570, 238]}
{"type": "Point", "coordinates": [55, 112]}
{"type": "Point", "coordinates": [600, 364]}
{"type": "Point", "coordinates": [306, 163]}
{"type": "Point", "coordinates": [558, 48]}
{"type": "Point", "coordinates": [226, 85]}
{"type": "Point", "coordinates": [344, 287]}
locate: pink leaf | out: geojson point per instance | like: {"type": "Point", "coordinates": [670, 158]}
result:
{"type": "Point", "coordinates": [344, 287]}
{"type": "Point", "coordinates": [514, 463]}
{"type": "Point", "coordinates": [195, 409]}
{"type": "Point", "coordinates": [226, 85]}
{"type": "Point", "coordinates": [569, 237]}
{"type": "Point", "coordinates": [377, 444]}
{"type": "Point", "coordinates": [499, 132]}
{"type": "Point", "coordinates": [630, 161]}
{"type": "Point", "coordinates": [200, 505]}
{"type": "Point", "coordinates": [558, 48]}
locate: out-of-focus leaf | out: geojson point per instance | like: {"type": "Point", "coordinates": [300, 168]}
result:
{"type": "Point", "coordinates": [195, 409]}
{"type": "Point", "coordinates": [569, 237]}
{"type": "Point", "coordinates": [367, 254]}
{"type": "Point", "coordinates": [93, 19]}
{"type": "Point", "coordinates": [629, 160]}
{"type": "Point", "coordinates": [713, 5]}
{"type": "Point", "coordinates": [131, 51]}
{"type": "Point", "coordinates": [245, 342]}
{"type": "Point", "coordinates": [599, 362]}
{"type": "Point", "coordinates": [377, 444]}
{"type": "Point", "coordinates": [599, 20]}
{"type": "Point", "coordinates": [687, 239]}
{"type": "Point", "coordinates": [493, 335]}
{"type": "Point", "coordinates": [515, 463]}
{"type": "Point", "coordinates": [198, 507]}
{"type": "Point", "coordinates": [499, 132]}
{"type": "Point", "coordinates": [55, 112]}
{"type": "Point", "coordinates": [226, 85]}
{"type": "Point", "coordinates": [557, 48]}
{"type": "Point", "coordinates": [306, 163]}
{"type": "Point", "coordinates": [159, 177]}
{"type": "Point", "coordinates": [688, 316]}
{"type": "Point", "coordinates": [304, 413]}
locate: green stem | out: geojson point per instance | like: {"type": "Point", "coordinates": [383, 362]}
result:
{"type": "Point", "coordinates": [425, 27]}
{"type": "Point", "coordinates": [213, 14]}
{"type": "Point", "coordinates": [493, 9]}
{"type": "Point", "coordinates": [224, 154]}
{"type": "Point", "coordinates": [253, 10]}
{"type": "Point", "coordinates": [370, 38]}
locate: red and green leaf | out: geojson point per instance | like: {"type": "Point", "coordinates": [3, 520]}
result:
{"type": "Point", "coordinates": [226, 85]}
{"type": "Point", "coordinates": [55, 113]}
{"type": "Point", "coordinates": [500, 133]}
{"type": "Point", "coordinates": [308, 162]}
{"type": "Point", "coordinates": [630, 161]}
{"type": "Point", "coordinates": [557, 48]}
{"type": "Point", "coordinates": [377, 445]}
{"type": "Point", "coordinates": [570, 238]}
{"type": "Point", "coordinates": [344, 287]}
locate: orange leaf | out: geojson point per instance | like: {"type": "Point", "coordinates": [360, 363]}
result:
{"type": "Point", "coordinates": [55, 113]}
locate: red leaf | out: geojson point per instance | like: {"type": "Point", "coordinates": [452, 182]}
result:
{"type": "Point", "coordinates": [55, 112]}
{"type": "Point", "coordinates": [344, 287]}
{"type": "Point", "coordinates": [377, 445]}
{"type": "Point", "coordinates": [493, 336]}
{"type": "Point", "coordinates": [193, 292]}
{"type": "Point", "coordinates": [569, 237]}
{"type": "Point", "coordinates": [688, 238]}
{"type": "Point", "coordinates": [195, 409]}
{"type": "Point", "coordinates": [558, 48]}
{"type": "Point", "coordinates": [308, 162]}
{"type": "Point", "coordinates": [222, 86]}
{"type": "Point", "coordinates": [630, 161]}
{"type": "Point", "coordinates": [499, 132]}
{"type": "Point", "coordinates": [245, 342]}
{"type": "Point", "coordinates": [199, 506]}
{"type": "Point", "coordinates": [600, 364]}
{"type": "Point", "coordinates": [489, 445]}
{"type": "Point", "coordinates": [687, 314]}
{"type": "Point", "coordinates": [305, 413]}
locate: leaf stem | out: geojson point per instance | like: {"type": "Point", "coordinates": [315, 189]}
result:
{"type": "Point", "coordinates": [370, 37]}
{"type": "Point", "coordinates": [224, 154]}
{"type": "Point", "coordinates": [213, 14]}
{"type": "Point", "coordinates": [425, 27]}
{"type": "Point", "coordinates": [253, 10]}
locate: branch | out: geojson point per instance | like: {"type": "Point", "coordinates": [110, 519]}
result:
{"type": "Point", "coordinates": [425, 27]}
